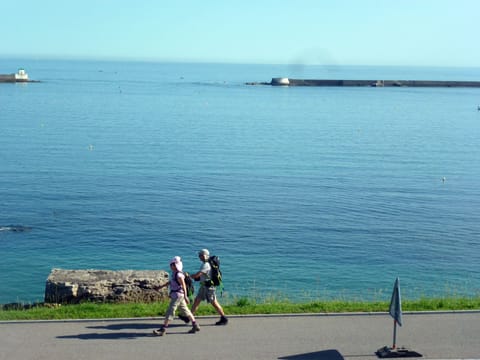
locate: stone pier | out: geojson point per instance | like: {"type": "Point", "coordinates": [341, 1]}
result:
{"type": "Point", "coordinates": [284, 81]}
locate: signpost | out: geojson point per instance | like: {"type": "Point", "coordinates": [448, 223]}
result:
{"type": "Point", "coordinates": [396, 312]}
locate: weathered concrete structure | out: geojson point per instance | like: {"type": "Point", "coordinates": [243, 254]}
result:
{"type": "Point", "coordinates": [74, 286]}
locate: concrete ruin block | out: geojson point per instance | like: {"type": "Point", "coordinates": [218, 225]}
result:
{"type": "Point", "coordinates": [75, 286]}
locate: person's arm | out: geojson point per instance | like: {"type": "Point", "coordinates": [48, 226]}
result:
{"type": "Point", "coordinates": [196, 276]}
{"type": "Point", "coordinates": [203, 270]}
{"type": "Point", "coordinates": [161, 286]}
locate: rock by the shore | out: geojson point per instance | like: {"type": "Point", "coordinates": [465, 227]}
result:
{"type": "Point", "coordinates": [75, 286]}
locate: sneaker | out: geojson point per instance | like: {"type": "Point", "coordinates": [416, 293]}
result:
{"type": "Point", "coordinates": [159, 332]}
{"type": "Point", "coordinates": [223, 321]}
{"type": "Point", "coordinates": [184, 318]}
{"type": "Point", "coordinates": [194, 329]}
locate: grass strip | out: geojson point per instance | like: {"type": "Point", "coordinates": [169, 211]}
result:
{"type": "Point", "coordinates": [242, 306]}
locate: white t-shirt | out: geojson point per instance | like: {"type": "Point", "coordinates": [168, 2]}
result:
{"type": "Point", "coordinates": [205, 269]}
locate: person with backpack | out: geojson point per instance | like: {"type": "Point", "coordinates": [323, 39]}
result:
{"type": "Point", "coordinates": [178, 298]}
{"type": "Point", "coordinates": [210, 277]}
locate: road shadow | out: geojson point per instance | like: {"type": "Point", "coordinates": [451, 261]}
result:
{"type": "Point", "coordinates": [316, 355]}
{"type": "Point", "coordinates": [116, 334]}
{"type": "Point", "coordinates": [105, 336]}
{"type": "Point", "coordinates": [139, 326]}
{"type": "Point", "coordinates": [142, 326]}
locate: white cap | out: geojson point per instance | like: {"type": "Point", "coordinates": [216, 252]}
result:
{"type": "Point", "coordinates": [204, 252]}
{"type": "Point", "coordinates": [177, 260]}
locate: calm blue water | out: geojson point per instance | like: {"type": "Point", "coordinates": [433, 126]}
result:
{"type": "Point", "coordinates": [304, 192]}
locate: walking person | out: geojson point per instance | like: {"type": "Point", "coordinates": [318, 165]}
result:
{"type": "Point", "coordinates": [178, 298]}
{"type": "Point", "coordinates": [207, 289]}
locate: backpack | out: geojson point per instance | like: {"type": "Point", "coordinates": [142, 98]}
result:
{"type": "Point", "coordinates": [188, 283]}
{"type": "Point", "coordinates": [215, 272]}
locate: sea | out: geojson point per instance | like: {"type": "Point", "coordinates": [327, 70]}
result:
{"type": "Point", "coordinates": [305, 193]}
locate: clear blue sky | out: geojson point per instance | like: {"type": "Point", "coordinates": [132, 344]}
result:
{"type": "Point", "coordinates": [326, 32]}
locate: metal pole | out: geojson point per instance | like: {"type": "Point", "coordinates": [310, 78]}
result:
{"type": "Point", "coordinates": [394, 334]}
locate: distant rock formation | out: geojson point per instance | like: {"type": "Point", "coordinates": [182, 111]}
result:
{"type": "Point", "coordinates": [75, 286]}
{"type": "Point", "coordinates": [15, 228]}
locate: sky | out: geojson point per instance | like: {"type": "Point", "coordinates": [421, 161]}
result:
{"type": "Point", "coordinates": [306, 32]}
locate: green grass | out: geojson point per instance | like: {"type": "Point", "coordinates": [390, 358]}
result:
{"type": "Point", "coordinates": [241, 306]}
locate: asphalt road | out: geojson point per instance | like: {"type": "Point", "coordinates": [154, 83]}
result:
{"type": "Point", "coordinates": [452, 335]}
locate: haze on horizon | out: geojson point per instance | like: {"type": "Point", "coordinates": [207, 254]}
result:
{"type": "Point", "coordinates": [306, 32]}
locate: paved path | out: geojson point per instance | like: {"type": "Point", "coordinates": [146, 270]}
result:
{"type": "Point", "coordinates": [295, 337]}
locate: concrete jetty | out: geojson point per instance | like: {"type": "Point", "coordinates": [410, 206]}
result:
{"type": "Point", "coordinates": [283, 81]}
{"type": "Point", "coordinates": [20, 76]}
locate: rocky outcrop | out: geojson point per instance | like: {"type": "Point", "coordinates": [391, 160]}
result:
{"type": "Point", "coordinates": [15, 228]}
{"type": "Point", "coordinates": [74, 286]}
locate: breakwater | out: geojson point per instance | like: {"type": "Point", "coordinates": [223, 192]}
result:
{"type": "Point", "coordinates": [368, 83]}
{"type": "Point", "coordinates": [19, 76]}
{"type": "Point", "coordinates": [10, 78]}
